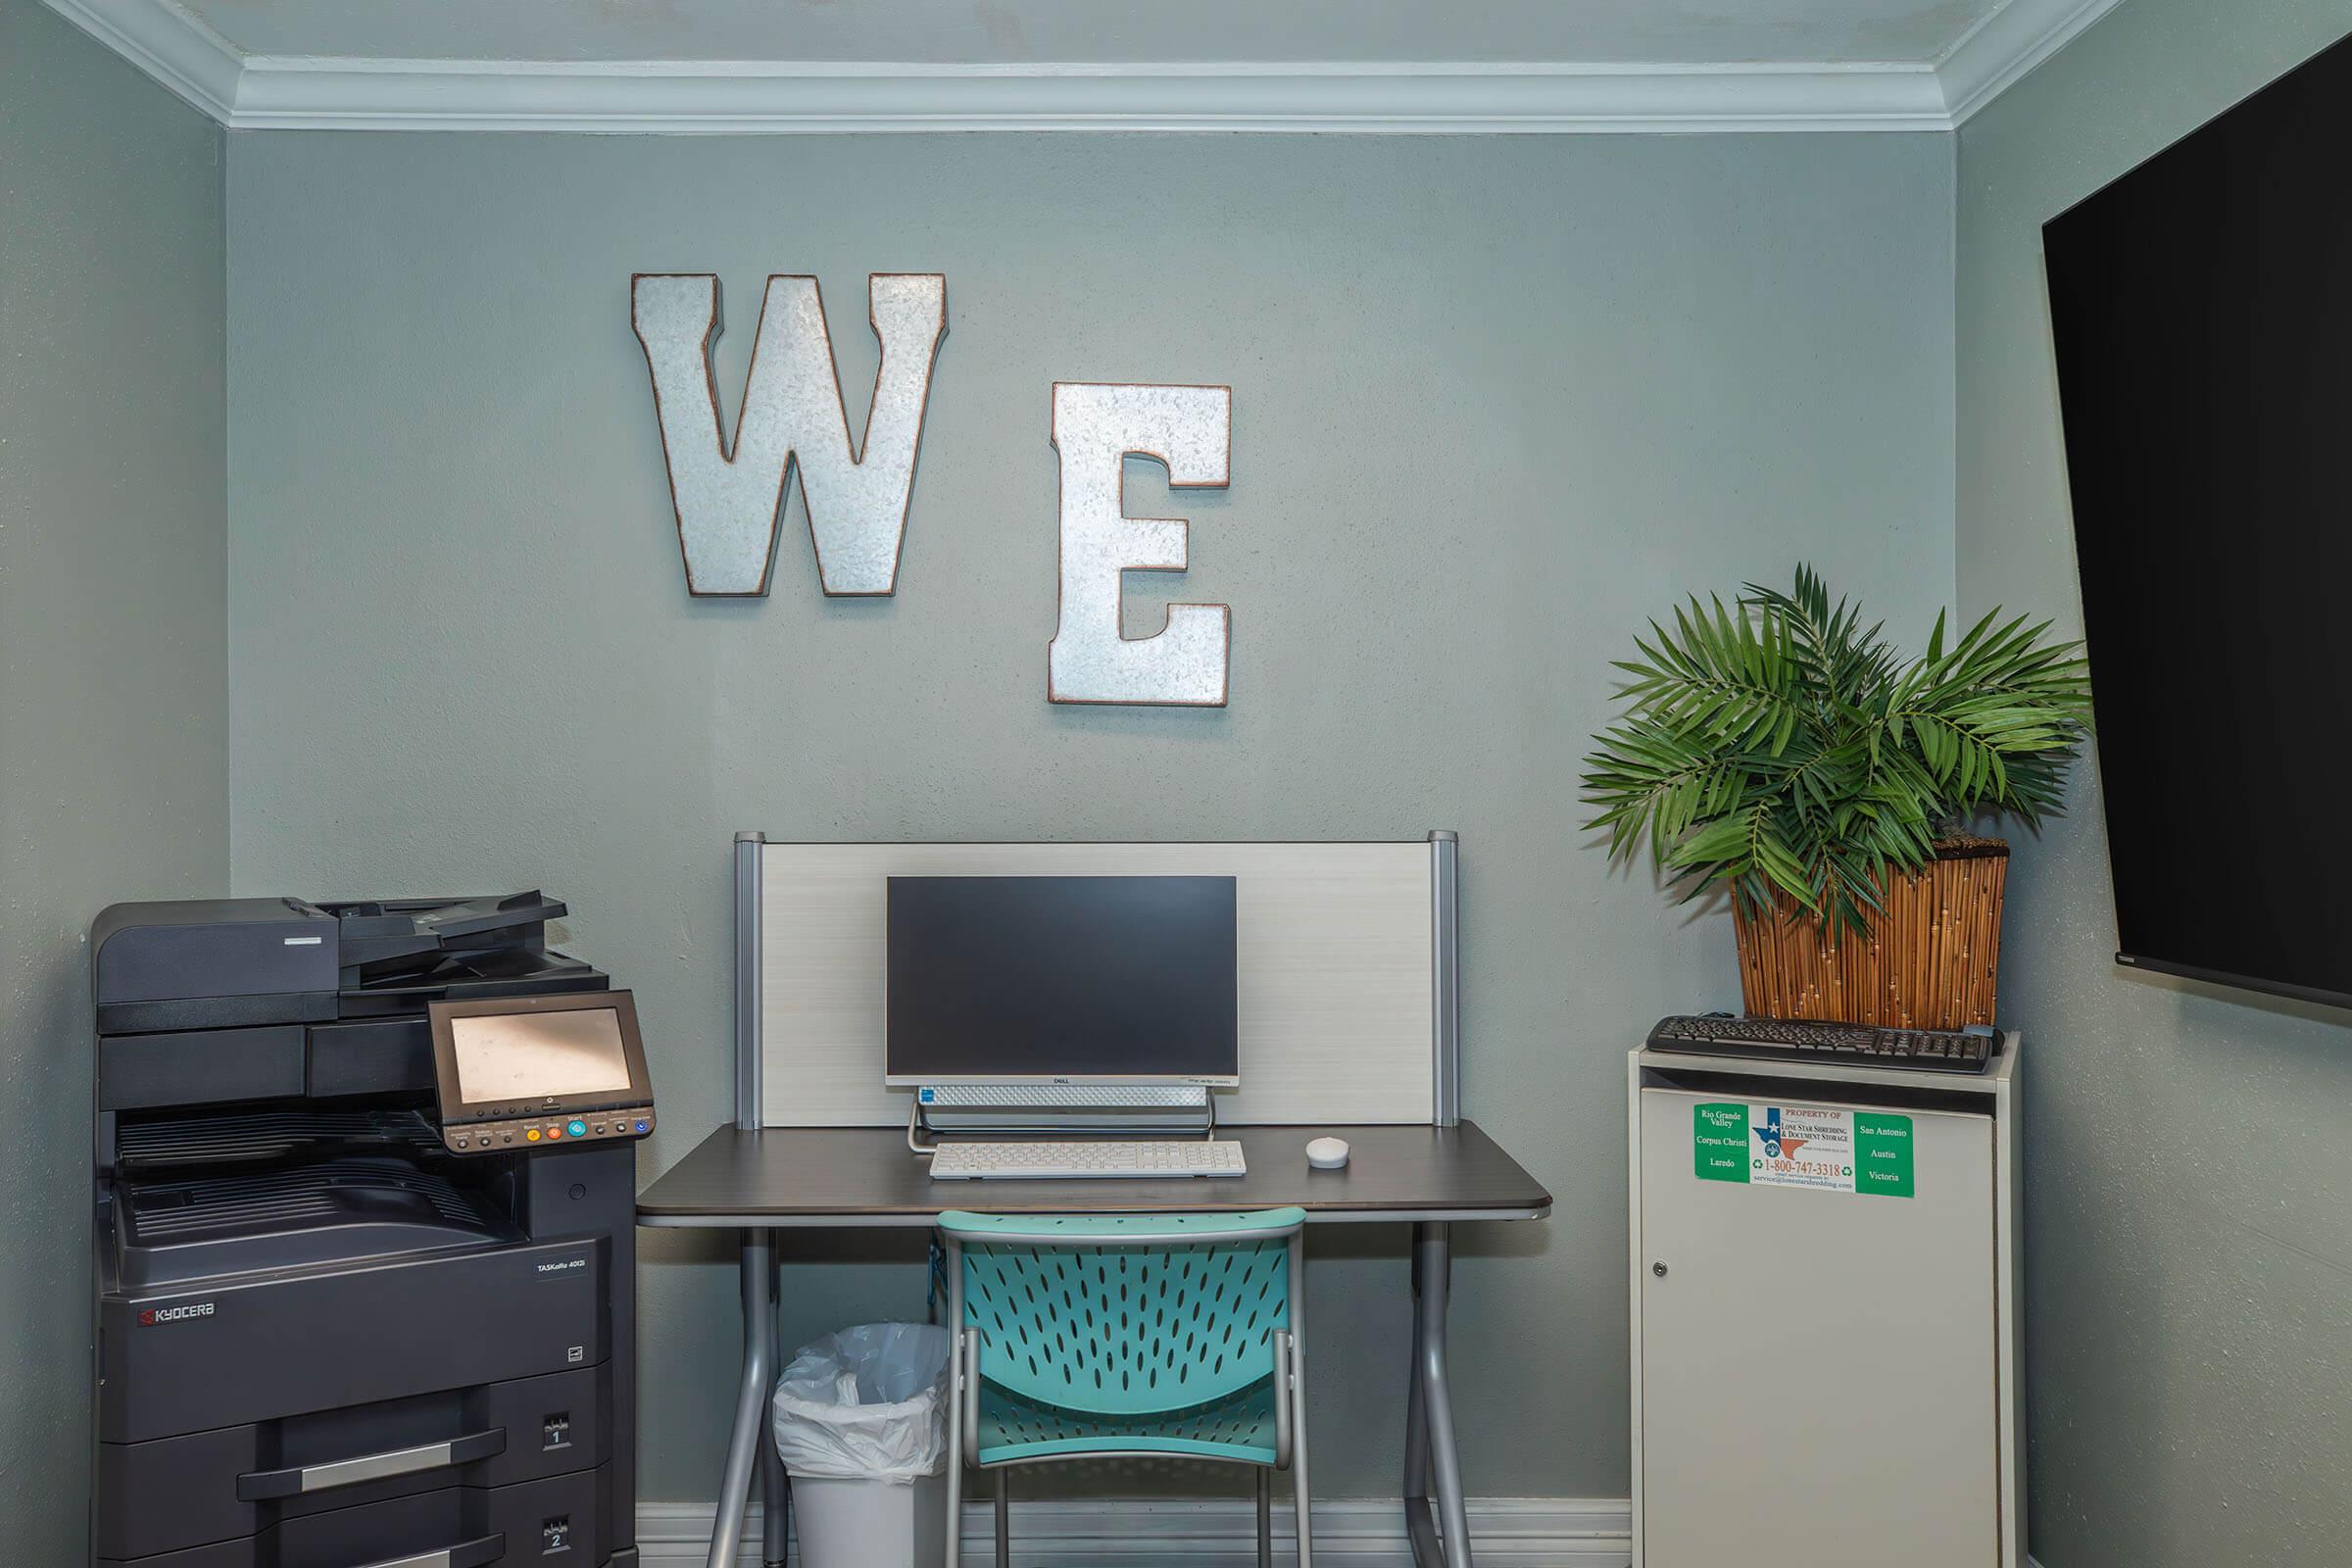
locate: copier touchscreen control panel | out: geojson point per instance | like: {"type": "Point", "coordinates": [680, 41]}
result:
{"type": "Point", "coordinates": [516, 1072]}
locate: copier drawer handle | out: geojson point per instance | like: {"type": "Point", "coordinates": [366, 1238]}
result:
{"type": "Point", "coordinates": [471, 1554]}
{"type": "Point", "coordinates": [257, 1486]}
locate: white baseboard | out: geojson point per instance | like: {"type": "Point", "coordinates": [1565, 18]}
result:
{"type": "Point", "coordinates": [1367, 1532]}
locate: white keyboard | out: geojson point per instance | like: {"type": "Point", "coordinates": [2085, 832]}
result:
{"type": "Point", "coordinates": [975, 1161]}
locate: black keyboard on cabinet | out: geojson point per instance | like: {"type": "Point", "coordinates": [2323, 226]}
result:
{"type": "Point", "coordinates": [1857, 1045]}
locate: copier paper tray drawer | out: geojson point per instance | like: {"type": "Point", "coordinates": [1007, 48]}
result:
{"type": "Point", "coordinates": [541, 1523]}
{"type": "Point", "coordinates": [207, 1354]}
{"type": "Point", "coordinates": [208, 1487]}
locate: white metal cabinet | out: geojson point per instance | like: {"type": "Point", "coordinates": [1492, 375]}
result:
{"type": "Point", "coordinates": [1821, 1370]}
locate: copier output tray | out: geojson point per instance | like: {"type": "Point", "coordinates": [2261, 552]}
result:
{"type": "Point", "coordinates": [454, 977]}
{"type": "Point", "coordinates": [326, 1212]}
{"type": "Point", "coordinates": [394, 936]}
{"type": "Point", "coordinates": [153, 1147]}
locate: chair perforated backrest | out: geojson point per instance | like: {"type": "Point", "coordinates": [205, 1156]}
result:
{"type": "Point", "coordinates": [1080, 1314]}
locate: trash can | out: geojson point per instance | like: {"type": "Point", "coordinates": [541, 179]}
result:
{"type": "Point", "coordinates": [862, 1423]}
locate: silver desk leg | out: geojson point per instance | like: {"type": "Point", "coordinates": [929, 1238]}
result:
{"type": "Point", "coordinates": [1420, 1526]}
{"type": "Point", "coordinates": [750, 1400]}
{"type": "Point", "coordinates": [1430, 1454]}
{"type": "Point", "coordinates": [775, 1489]}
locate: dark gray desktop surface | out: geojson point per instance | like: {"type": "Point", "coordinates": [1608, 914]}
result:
{"type": "Point", "coordinates": [858, 1176]}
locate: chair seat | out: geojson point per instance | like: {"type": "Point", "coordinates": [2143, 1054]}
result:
{"type": "Point", "coordinates": [1239, 1427]}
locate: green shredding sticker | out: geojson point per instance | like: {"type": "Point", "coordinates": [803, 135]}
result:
{"type": "Point", "coordinates": [1831, 1151]}
{"type": "Point", "coordinates": [1882, 1162]}
{"type": "Point", "coordinates": [1719, 1143]}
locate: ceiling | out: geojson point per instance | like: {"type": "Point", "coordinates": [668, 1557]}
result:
{"type": "Point", "coordinates": [882, 65]}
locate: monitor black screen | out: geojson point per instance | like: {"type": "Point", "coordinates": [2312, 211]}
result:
{"type": "Point", "coordinates": [2202, 310]}
{"type": "Point", "coordinates": [1087, 978]}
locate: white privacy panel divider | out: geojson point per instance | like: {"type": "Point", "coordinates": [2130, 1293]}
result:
{"type": "Point", "coordinates": [1339, 994]}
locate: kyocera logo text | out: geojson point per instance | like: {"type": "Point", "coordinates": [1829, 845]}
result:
{"type": "Point", "coordinates": [174, 1314]}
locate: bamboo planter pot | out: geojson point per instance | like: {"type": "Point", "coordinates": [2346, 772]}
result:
{"type": "Point", "coordinates": [1931, 960]}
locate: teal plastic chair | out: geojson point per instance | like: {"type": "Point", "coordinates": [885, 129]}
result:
{"type": "Point", "coordinates": [1112, 1335]}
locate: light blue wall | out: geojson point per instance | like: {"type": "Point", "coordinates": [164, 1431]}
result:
{"type": "Point", "coordinates": [114, 767]}
{"type": "Point", "coordinates": [2189, 1228]}
{"type": "Point", "coordinates": [1496, 400]}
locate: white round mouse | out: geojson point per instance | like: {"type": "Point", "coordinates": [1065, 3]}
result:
{"type": "Point", "coordinates": [1327, 1153]}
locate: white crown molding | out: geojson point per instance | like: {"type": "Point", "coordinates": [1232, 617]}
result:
{"type": "Point", "coordinates": [1991, 56]}
{"type": "Point", "coordinates": [723, 98]}
{"type": "Point", "coordinates": [167, 42]}
{"type": "Point", "coordinates": [1362, 1533]}
{"type": "Point", "coordinates": [265, 92]}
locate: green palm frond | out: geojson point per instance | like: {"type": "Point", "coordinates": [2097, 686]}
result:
{"type": "Point", "coordinates": [1780, 746]}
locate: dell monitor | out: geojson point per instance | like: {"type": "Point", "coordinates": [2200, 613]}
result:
{"type": "Point", "coordinates": [1044, 980]}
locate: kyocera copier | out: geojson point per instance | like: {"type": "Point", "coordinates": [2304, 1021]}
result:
{"type": "Point", "coordinates": [365, 1257]}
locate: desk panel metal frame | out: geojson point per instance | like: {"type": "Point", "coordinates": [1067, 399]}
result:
{"type": "Point", "coordinates": [1432, 1491]}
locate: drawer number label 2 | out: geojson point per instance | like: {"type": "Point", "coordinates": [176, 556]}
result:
{"type": "Point", "coordinates": [1863, 1152]}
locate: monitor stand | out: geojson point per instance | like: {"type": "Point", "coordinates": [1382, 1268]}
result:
{"type": "Point", "coordinates": [1053, 1110]}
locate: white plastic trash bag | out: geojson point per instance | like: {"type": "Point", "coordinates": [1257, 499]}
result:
{"type": "Point", "coordinates": [869, 1403]}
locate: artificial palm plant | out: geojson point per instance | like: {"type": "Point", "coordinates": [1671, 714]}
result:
{"type": "Point", "coordinates": [1779, 746]}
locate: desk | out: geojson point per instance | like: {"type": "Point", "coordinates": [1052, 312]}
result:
{"type": "Point", "coordinates": [759, 1181]}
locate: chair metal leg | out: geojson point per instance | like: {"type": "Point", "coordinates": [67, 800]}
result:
{"type": "Point", "coordinates": [959, 1368]}
{"type": "Point", "coordinates": [1433, 1265]}
{"type": "Point", "coordinates": [1300, 1489]}
{"type": "Point", "coordinates": [1003, 1519]}
{"type": "Point", "coordinates": [748, 1436]}
{"type": "Point", "coordinates": [1265, 1518]}
{"type": "Point", "coordinates": [955, 1535]}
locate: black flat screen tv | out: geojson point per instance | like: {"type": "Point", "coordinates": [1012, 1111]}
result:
{"type": "Point", "coordinates": [2202, 311]}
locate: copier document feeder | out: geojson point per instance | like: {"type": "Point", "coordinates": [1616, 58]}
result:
{"type": "Point", "coordinates": [323, 1339]}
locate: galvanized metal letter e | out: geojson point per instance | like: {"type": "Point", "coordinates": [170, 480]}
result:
{"type": "Point", "coordinates": [1190, 429]}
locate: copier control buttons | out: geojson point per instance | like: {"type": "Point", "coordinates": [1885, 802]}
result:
{"type": "Point", "coordinates": [479, 1138]}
